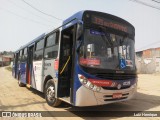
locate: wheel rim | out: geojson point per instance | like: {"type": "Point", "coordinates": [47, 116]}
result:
{"type": "Point", "coordinates": [51, 93]}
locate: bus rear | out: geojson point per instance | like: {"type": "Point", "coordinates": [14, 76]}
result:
{"type": "Point", "coordinates": [105, 71]}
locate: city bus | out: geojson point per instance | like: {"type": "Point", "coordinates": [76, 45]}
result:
{"type": "Point", "coordinates": [89, 60]}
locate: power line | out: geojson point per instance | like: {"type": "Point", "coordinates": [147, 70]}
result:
{"type": "Point", "coordinates": [156, 1]}
{"type": "Point", "coordinates": [41, 11]}
{"type": "Point", "coordinates": [28, 11]}
{"type": "Point", "coordinates": [25, 18]}
{"type": "Point", "coordinates": [146, 4]}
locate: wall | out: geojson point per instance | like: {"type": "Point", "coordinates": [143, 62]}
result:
{"type": "Point", "coordinates": [6, 59]}
{"type": "Point", "coordinates": [148, 65]}
{"type": "Point", "coordinates": [148, 61]}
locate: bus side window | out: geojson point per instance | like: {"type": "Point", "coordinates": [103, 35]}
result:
{"type": "Point", "coordinates": [25, 55]}
{"type": "Point", "coordinates": [128, 52]}
{"type": "Point", "coordinates": [20, 55]}
{"type": "Point", "coordinates": [51, 46]}
{"type": "Point", "coordinates": [39, 50]}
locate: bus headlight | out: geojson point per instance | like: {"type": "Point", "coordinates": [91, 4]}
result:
{"type": "Point", "coordinates": [98, 89]}
{"type": "Point", "coordinates": [91, 86]}
{"type": "Point", "coordinates": [85, 82]}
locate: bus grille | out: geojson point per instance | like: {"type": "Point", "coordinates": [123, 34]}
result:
{"type": "Point", "coordinates": [116, 76]}
{"type": "Point", "coordinates": [115, 88]}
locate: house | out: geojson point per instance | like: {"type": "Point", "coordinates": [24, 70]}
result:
{"type": "Point", "coordinates": [5, 60]}
{"type": "Point", "coordinates": [148, 60]}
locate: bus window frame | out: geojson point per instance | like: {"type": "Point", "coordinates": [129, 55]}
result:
{"type": "Point", "coordinates": [37, 50]}
{"type": "Point", "coordinates": [56, 44]}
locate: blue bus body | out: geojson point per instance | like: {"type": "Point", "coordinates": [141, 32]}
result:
{"type": "Point", "coordinates": [90, 84]}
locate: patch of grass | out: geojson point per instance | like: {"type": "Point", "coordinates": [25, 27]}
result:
{"type": "Point", "coordinates": [8, 68]}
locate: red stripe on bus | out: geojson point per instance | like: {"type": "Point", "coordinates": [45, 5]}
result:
{"type": "Point", "coordinates": [102, 83]}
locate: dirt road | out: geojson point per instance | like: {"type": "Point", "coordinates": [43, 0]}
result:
{"type": "Point", "coordinates": [15, 98]}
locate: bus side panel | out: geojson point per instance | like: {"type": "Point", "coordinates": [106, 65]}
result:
{"type": "Point", "coordinates": [36, 81]}
{"type": "Point", "coordinates": [17, 70]}
{"type": "Point", "coordinates": [77, 83]}
{"type": "Point", "coordinates": [85, 97]}
{"type": "Point", "coordinates": [82, 96]}
{"type": "Point", "coordinates": [23, 72]}
{"type": "Point", "coordinates": [50, 72]}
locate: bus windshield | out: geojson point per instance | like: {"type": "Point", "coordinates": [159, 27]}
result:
{"type": "Point", "coordinates": [106, 50]}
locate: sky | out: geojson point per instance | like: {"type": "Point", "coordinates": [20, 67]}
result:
{"type": "Point", "coordinates": [20, 23]}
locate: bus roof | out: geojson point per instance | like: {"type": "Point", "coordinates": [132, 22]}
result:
{"type": "Point", "coordinates": [79, 16]}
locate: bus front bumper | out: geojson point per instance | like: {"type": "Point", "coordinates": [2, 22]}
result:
{"type": "Point", "coordinates": [87, 97]}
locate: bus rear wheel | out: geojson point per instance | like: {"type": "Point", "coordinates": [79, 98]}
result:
{"type": "Point", "coordinates": [50, 94]}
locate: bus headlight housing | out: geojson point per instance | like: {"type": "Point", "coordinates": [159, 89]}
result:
{"type": "Point", "coordinates": [91, 86]}
{"type": "Point", "coordinates": [98, 89]}
{"type": "Point", "coordinates": [85, 82]}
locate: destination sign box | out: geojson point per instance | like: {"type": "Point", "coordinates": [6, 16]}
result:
{"type": "Point", "coordinates": [108, 23]}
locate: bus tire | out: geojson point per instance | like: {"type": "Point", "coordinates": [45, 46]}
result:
{"type": "Point", "coordinates": [19, 81]}
{"type": "Point", "coordinates": [50, 94]}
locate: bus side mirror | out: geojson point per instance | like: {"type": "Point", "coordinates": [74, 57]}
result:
{"type": "Point", "coordinates": [79, 31]}
{"type": "Point", "coordinates": [90, 48]}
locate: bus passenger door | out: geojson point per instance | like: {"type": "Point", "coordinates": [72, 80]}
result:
{"type": "Point", "coordinates": [66, 63]}
{"type": "Point", "coordinates": [29, 65]}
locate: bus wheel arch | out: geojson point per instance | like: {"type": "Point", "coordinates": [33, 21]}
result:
{"type": "Point", "coordinates": [50, 94]}
{"type": "Point", "coordinates": [45, 81]}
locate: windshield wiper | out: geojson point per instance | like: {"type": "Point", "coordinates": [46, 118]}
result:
{"type": "Point", "coordinates": [105, 36]}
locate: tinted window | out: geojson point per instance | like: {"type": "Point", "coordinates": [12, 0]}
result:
{"type": "Point", "coordinates": [51, 40]}
{"type": "Point", "coordinates": [51, 52]}
{"type": "Point", "coordinates": [51, 46]}
{"type": "Point", "coordinates": [25, 57]}
{"type": "Point", "coordinates": [25, 51]}
{"type": "Point", "coordinates": [21, 52]}
{"type": "Point", "coordinates": [40, 44]}
{"type": "Point", "coordinates": [19, 57]}
{"type": "Point", "coordinates": [38, 55]}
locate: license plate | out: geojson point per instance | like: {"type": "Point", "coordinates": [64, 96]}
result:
{"type": "Point", "coordinates": [117, 95]}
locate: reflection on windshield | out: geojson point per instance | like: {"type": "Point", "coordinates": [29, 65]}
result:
{"type": "Point", "coordinates": [106, 51]}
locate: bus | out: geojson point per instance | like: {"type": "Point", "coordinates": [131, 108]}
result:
{"type": "Point", "coordinates": [89, 60]}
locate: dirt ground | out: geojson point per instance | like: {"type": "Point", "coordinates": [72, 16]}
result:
{"type": "Point", "coordinates": [15, 98]}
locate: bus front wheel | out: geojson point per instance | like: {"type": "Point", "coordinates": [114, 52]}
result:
{"type": "Point", "coordinates": [50, 94]}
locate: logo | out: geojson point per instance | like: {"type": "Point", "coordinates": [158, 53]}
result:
{"type": "Point", "coordinates": [113, 84]}
{"type": "Point", "coordinates": [119, 86]}
{"type": "Point", "coordinates": [6, 114]}
{"type": "Point", "coordinates": [127, 83]}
